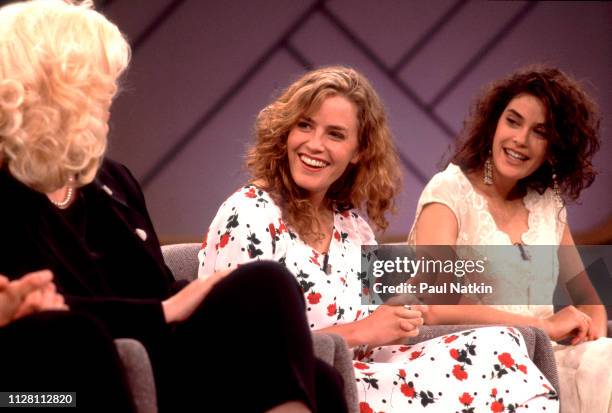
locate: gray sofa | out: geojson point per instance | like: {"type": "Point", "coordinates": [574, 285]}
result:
{"type": "Point", "coordinates": [182, 260]}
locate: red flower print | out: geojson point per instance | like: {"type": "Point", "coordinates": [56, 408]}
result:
{"type": "Point", "coordinates": [497, 407]}
{"type": "Point", "coordinates": [272, 230]}
{"type": "Point", "coordinates": [204, 241]}
{"type": "Point", "coordinates": [402, 373]}
{"type": "Point", "coordinates": [251, 193]}
{"type": "Point", "coordinates": [404, 348]}
{"type": "Point", "coordinates": [407, 390]}
{"type": "Point", "coordinates": [364, 407]}
{"type": "Point", "coordinates": [450, 339]}
{"type": "Point", "coordinates": [459, 373]}
{"type": "Point", "coordinates": [522, 368]}
{"type": "Point", "coordinates": [466, 399]}
{"type": "Point", "coordinates": [331, 309]}
{"type": "Point", "coordinates": [313, 298]}
{"type": "Point", "coordinates": [315, 258]}
{"type": "Point", "coordinates": [493, 392]}
{"type": "Point", "coordinates": [360, 366]}
{"type": "Point", "coordinates": [357, 315]}
{"type": "Point", "coordinates": [454, 353]}
{"type": "Point", "coordinates": [415, 354]}
{"type": "Point", "coordinates": [344, 213]}
{"type": "Point", "coordinates": [224, 240]}
{"type": "Point", "coordinates": [506, 359]}
{"type": "Point", "coordinates": [281, 226]}
{"type": "Point", "coordinates": [337, 235]}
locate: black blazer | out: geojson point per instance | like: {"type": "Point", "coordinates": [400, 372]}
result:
{"type": "Point", "coordinates": [35, 235]}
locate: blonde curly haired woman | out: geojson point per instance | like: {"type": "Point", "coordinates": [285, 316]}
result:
{"type": "Point", "coordinates": [70, 210]}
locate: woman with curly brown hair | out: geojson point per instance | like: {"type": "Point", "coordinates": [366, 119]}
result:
{"type": "Point", "coordinates": [324, 153]}
{"type": "Point", "coordinates": [526, 149]}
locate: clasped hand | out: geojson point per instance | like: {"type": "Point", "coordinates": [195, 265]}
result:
{"type": "Point", "coordinates": [29, 294]}
{"type": "Point", "coordinates": [391, 324]}
{"type": "Point", "coordinates": [569, 322]}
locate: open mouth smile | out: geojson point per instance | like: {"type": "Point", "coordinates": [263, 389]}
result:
{"type": "Point", "coordinates": [515, 155]}
{"type": "Point", "coordinates": [312, 162]}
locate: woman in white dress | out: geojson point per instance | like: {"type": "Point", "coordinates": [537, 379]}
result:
{"type": "Point", "coordinates": [323, 155]}
{"type": "Point", "coordinates": [526, 148]}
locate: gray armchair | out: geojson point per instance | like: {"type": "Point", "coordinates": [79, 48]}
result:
{"type": "Point", "coordinates": [182, 260]}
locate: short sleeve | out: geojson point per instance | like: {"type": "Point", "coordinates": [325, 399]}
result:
{"type": "Point", "coordinates": [248, 227]}
{"type": "Point", "coordinates": [444, 188]}
{"type": "Point", "coordinates": [561, 221]}
{"type": "Point", "coordinates": [364, 231]}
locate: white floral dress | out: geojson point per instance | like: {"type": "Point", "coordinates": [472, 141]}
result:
{"type": "Point", "coordinates": [482, 370]}
{"type": "Point", "coordinates": [579, 366]}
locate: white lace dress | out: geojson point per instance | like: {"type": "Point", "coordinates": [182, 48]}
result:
{"type": "Point", "coordinates": [579, 366]}
{"type": "Point", "coordinates": [472, 371]}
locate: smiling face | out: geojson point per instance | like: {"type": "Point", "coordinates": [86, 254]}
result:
{"type": "Point", "coordinates": [322, 145]}
{"type": "Point", "coordinates": [519, 144]}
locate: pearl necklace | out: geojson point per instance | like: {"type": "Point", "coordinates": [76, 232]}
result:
{"type": "Point", "coordinates": [64, 202]}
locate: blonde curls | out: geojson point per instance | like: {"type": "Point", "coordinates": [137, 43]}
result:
{"type": "Point", "coordinates": [371, 185]}
{"type": "Point", "coordinates": [59, 66]}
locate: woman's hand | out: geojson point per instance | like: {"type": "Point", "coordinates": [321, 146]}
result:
{"type": "Point", "coordinates": [569, 322]}
{"type": "Point", "coordinates": [599, 320]}
{"type": "Point", "coordinates": [182, 304]}
{"type": "Point", "coordinates": [29, 294]}
{"type": "Point", "coordinates": [389, 325]}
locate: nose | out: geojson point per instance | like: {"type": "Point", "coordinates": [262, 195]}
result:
{"type": "Point", "coordinates": [316, 141]}
{"type": "Point", "coordinates": [520, 137]}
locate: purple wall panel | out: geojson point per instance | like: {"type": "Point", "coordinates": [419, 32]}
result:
{"type": "Point", "coordinates": [134, 16]}
{"type": "Point", "coordinates": [185, 67]}
{"type": "Point", "coordinates": [200, 52]}
{"type": "Point", "coordinates": [188, 193]}
{"type": "Point", "coordinates": [455, 44]}
{"type": "Point", "coordinates": [390, 27]}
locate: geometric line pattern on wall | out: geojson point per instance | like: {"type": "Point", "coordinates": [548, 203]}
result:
{"type": "Point", "coordinates": [435, 28]}
{"type": "Point", "coordinates": [233, 90]}
{"type": "Point", "coordinates": [283, 43]}
{"type": "Point", "coordinates": [482, 53]}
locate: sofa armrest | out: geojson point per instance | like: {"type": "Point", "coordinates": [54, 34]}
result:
{"type": "Point", "coordinates": [138, 373]}
{"type": "Point", "coordinates": [539, 347]}
{"type": "Point", "coordinates": [332, 349]}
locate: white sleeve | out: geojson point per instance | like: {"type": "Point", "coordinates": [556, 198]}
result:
{"type": "Point", "coordinates": [247, 227]}
{"type": "Point", "coordinates": [363, 229]}
{"type": "Point", "coordinates": [441, 189]}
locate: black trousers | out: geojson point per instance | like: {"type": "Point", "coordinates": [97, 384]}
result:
{"type": "Point", "coordinates": [247, 348]}
{"type": "Point", "coordinates": [61, 351]}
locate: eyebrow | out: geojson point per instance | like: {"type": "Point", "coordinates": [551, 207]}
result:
{"type": "Point", "coordinates": [335, 127]}
{"type": "Point", "coordinates": [515, 113]}
{"type": "Point", "coordinates": [339, 128]}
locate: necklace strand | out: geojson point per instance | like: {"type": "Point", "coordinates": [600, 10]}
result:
{"type": "Point", "coordinates": [64, 202]}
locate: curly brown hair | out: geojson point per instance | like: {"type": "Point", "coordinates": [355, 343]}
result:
{"type": "Point", "coordinates": [373, 182]}
{"type": "Point", "coordinates": [572, 124]}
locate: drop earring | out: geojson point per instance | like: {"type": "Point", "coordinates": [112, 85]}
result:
{"type": "Point", "coordinates": [556, 189]}
{"type": "Point", "coordinates": [488, 171]}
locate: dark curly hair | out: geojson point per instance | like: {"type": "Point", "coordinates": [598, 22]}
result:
{"type": "Point", "coordinates": [572, 124]}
